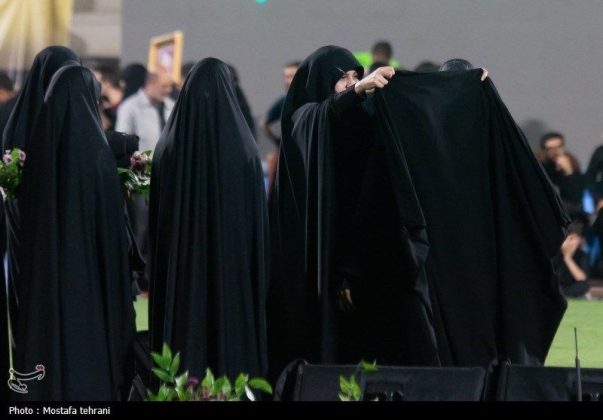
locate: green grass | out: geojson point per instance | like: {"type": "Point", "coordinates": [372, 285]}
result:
{"type": "Point", "coordinates": [587, 316]}
{"type": "Point", "coordinates": [141, 306]}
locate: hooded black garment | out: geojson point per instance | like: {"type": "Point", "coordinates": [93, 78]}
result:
{"type": "Point", "coordinates": [134, 77]}
{"type": "Point", "coordinates": [344, 214]}
{"type": "Point", "coordinates": [15, 131]}
{"type": "Point", "coordinates": [209, 231]}
{"type": "Point", "coordinates": [493, 219]}
{"type": "Point", "coordinates": [75, 313]}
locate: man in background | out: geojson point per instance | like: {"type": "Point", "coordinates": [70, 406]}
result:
{"type": "Point", "coordinates": [274, 113]}
{"type": "Point", "coordinates": [563, 170]}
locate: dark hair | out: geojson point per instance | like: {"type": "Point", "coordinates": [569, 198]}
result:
{"type": "Point", "coordinates": [293, 64]}
{"type": "Point", "coordinates": [5, 82]}
{"type": "Point", "coordinates": [427, 67]}
{"type": "Point", "coordinates": [549, 136]}
{"type": "Point", "coordinates": [456, 64]}
{"type": "Point", "coordinates": [382, 47]}
{"type": "Point", "coordinates": [186, 68]}
{"type": "Point", "coordinates": [108, 74]}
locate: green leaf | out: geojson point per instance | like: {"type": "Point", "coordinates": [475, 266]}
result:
{"type": "Point", "coordinates": [183, 394]}
{"type": "Point", "coordinates": [161, 361]}
{"type": "Point", "coordinates": [151, 396]}
{"type": "Point", "coordinates": [344, 397]}
{"type": "Point", "coordinates": [368, 367]}
{"type": "Point", "coordinates": [175, 365]}
{"type": "Point", "coordinates": [261, 384]}
{"type": "Point", "coordinates": [167, 352]}
{"type": "Point", "coordinates": [249, 393]}
{"type": "Point", "coordinates": [208, 381]}
{"type": "Point", "coordinates": [344, 385]}
{"type": "Point", "coordinates": [182, 380]}
{"type": "Point", "coordinates": [163, 393]}
{"type": "Point", "coordinates": [163, 375]}
{"type": "Point", "coordinates": [226, 387]}
{"type": "Point", "coordinates": [240, 383]}
{"type": "Point", "coordinates": [218, 385]}
{"type": "Point", "coordinates": [172, 394]}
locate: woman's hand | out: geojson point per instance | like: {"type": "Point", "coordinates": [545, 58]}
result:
{"type": "Point", "coordinates": [484, 74]}
{"type": "Point", "coordinates": [377, 79]}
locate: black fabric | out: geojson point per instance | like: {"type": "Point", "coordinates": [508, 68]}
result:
{"type": "Point", "coordinates": [321, 383]}
{"type": "Point", "coordinates": [444, 161]}
{"type": "Point", "coordinates": [242, 100]}
{"type": "Point", "coordinates": [341, 184]}
{"type": "Point", "coordinates": [275, 111]}
{"type": "Point", "coordinates": [571, 187]}
{"type": "Point", "coordinates": [528, 383]}
{"type": "Point", "coordinates": [75, 311]}
{"type": "Point", "coordinates": [594, 173]}
{"type": "Point", "coordinates": [5, 111]}
{"type": "Point", "coordinates": [19, 117]}
{"type": "Point", "coordinates": [123, 146]}
{"type": "Point", "coordinates": [209, 231]}
{"type": "Point", "coordinates": [493, 219]}
{"type": "Point", "coordinates": [133, 77]}
{"type": "Point", "coordinates": [569, 285]}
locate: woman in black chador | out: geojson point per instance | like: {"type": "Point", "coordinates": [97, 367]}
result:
{"type": "Point", "coordinates": [209, 231]}
{"type": "Point", "coordinates": [75, 313]}
{"type": "Point", "coordinates": [18, 130]}
{"type": "Point", "coordinates": [348, 236]}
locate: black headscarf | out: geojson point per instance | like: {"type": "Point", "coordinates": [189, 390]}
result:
{"type": "Point", "coordinates": [134, 77]}
{"type": "Point", "coordinates": [30, 100]}
{"type": "Point", "coordinates": [209, 231]}
{"type": "Point", "coordinates": [456, 64]}
{"type": "Point", "coordinates": [75, 313]}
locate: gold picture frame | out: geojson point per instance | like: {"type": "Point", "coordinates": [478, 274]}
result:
{"type": "Point", "coordinates": [165, 55]}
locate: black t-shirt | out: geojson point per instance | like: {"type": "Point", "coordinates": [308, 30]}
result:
{"type": "Point", "coordinates": [274, 113]}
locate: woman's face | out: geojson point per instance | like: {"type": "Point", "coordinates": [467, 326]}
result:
{"type": "Point", "coordinates": [347, 79]}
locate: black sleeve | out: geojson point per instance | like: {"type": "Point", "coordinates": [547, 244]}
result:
{"type": "Point", "coordinates": [339, 103]}
{"type": "Point", "coordinates": [595, 167]}
{"type": "Point", "coordinates": [572, 187]}
{"type": "Point", "coordinates": [274, 113]}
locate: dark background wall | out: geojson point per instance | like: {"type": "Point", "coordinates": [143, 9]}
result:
{"type": "Point", "coordinates": [545, 56]}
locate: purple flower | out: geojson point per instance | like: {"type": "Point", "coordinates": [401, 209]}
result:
{"type": "Point", "coordinates": [192, 382]}
{"type": "Point", "coordinates": [138, 161]}
{"type": "Point", "coordinates": [7, 158]}
{"type": "Point", "coordinates": [22, 157]}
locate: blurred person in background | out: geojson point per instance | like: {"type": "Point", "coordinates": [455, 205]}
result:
{"type": "Point", "coordinates": [132, 78]}
{"type": "Point", "coordinates": [273, 117]}
{"type": "Point", "coordinates": [563, 170]}
{"type": "Point", "coordinates": [111, 95]}
{"type": "Point", "coordinates": [8, 98]}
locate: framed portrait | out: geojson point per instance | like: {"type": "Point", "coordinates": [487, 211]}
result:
{"type": "Point", "coordinates": [165, 55]}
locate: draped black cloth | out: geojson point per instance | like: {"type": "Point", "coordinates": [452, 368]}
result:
{"type": "Point", "coordinates": [17, 119]}
{"type": "Point", "coordinates": [17, 132]}
{"type": "Point", "coordinates": [75, 311]}
{"type": "Point", "coordinates": [493, 219]}
{"type": "Point", "coordinates": [209, 231]}
{"type": "Point", "coordinates": [454, 225]}
{"type": "Point", "coordinates": [336, 224]}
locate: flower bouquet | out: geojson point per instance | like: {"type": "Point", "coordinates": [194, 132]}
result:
{"type": "Point", "coordinates": [11, 169]}
{"type": "Point", "coordinates": [137, 178]}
